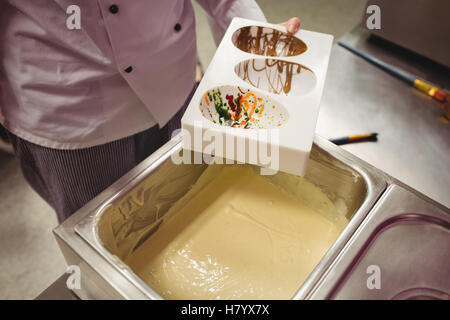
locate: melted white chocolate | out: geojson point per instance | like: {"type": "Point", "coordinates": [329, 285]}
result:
{"type": "Point", "coordinates": [239, 238]}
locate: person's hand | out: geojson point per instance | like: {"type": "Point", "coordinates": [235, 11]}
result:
{"type": "Point", "coordinates": [292, 25]}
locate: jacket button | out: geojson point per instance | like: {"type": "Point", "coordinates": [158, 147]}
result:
{"type": "Point", "coordinates": [129, 69]}
{"type": "Point", "coordinates": [177, 27]}
{"type": "Point", "coordinates": [113, 9]}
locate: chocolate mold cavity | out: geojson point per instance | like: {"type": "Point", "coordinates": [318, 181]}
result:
{"type": "Point", "coordinates": [239, 107]}
{"type": "Point", "coordinates": [277, 76]}
{"type": "Point", "coordinates": [267, 42]}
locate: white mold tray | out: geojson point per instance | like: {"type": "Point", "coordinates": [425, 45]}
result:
{"type": "Point", "coordinates": [259, 99]}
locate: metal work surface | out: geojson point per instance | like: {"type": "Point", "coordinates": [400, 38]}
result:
{"type": "Point", "coordinates": [413, 145]}
{"type": "Point", "coordinates": [58, 291]}
{"type": "Point", "coordinates": [407, 239]}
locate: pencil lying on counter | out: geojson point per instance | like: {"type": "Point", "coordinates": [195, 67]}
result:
{"type": "Point", "coordinates": [355, 138]}
{"type": "Point", "coordinates": [420, 85]}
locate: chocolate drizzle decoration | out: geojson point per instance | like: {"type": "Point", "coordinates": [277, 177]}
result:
{"type": "Point", "coordinates": [268, 42]}
{"type": "Point", "coordinates": [277, 75]}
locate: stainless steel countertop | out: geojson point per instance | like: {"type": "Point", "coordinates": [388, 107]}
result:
{"type": "Point", "coordinates": [413, 145]}
{"type": "Point", "coordinates": [58, 290]}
